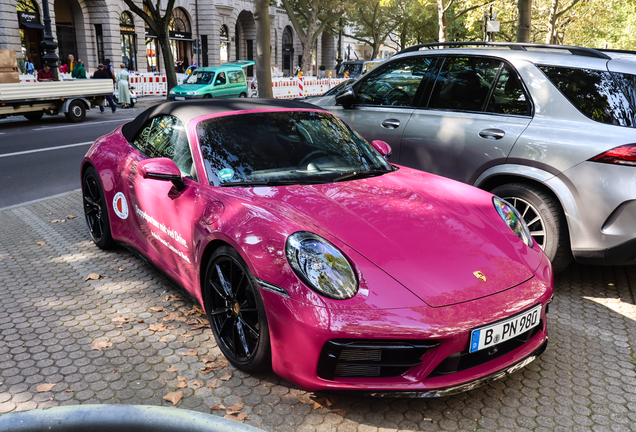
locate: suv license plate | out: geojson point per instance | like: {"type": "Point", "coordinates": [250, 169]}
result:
{"type": "Point", "coordinates": [490, 335]}
{"type": "Point", "coordinates": [179, 98]}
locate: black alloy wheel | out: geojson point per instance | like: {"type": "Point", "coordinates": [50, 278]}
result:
{"type": "Point", "coordinates": [95, 210]}
{"type": "Point", "coordinates": [236, 312]}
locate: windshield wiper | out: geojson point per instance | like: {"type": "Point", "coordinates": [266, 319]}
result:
{"type": "Point", "coordinates": [361, 174]}
{"type": "Point", "coordinates": [273, 182]}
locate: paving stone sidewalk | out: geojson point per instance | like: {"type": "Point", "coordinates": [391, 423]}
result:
{"type": "Point", "coordinates": [129, 337]}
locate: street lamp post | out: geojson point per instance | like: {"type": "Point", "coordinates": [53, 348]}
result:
{"type": "Point", "coordinates": [49, 44]}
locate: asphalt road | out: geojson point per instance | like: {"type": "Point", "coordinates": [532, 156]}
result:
{"type": "Point", "coordinates": [41, 159]}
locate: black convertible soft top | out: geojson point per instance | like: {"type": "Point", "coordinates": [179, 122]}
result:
{"type": "Point", "coordinates": [188, 110]}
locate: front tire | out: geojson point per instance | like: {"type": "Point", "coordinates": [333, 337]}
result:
{"type": "Point", "coordinates": [96, 210]}
{"type": "Point", "coordinates": [236, 312]}
{"type": "Point", "coordinates": [545, 220]}
{"type": "Point", "coordinates": [243, 95]}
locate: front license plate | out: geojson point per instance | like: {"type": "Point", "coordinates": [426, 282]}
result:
{"type": "Point", "coordinates": [179, 98]}
{"type": "Point", "coordinates": [490, 335]}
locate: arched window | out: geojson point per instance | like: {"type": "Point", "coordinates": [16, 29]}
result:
{"type": "Point", "coordinates": [27, 6]}
{"type": "Point", "coordinates": [224, 38]}
{"type": "Point", "coordinates": [30, 30]}
{"type": "Point", "coordinates": [152, 48]}
{"type": "Point", "coordinates": [180, 39]}
{"type": "Point", "coordinates": [179, 21]}
{"type": "Point", "coordinates": [128, 41]}
{"type": "Point", "coordinates": [126, 22]}
{"type": "Point", "coordinates": [288, 51]}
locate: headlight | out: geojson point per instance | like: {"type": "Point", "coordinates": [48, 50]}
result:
{"type": "Point", "coordinates": [321, 266]}
{"type": "Point", "coordinates": [193, 92]}
{"type": "Point", "coordinates": [171, 92]}
{"type": "Point", "coordinates": [511, 216]}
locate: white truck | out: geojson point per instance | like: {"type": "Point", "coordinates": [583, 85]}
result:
{"type": "Point", "coordinates": [73, 98]}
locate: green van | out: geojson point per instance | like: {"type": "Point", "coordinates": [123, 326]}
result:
{"type": "Point", "coordinates": [219, 82]}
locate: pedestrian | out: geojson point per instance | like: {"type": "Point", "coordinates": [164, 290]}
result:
{"type": "Point", "coordinates": [28, 66]}
{"type": "Point", "coordinates": [179, 65]}
{"type": "Point", "coordinates": [110, 68]}
{"type": "Point", "coordinates": [45, 74]}
{"type": "Point", "coordinates": [78, 70]}
{"type": "Point", "coordinates": [103, 73]}
{"type": "Point", "coordinates": [63, 68]}
{"type": "Point", "coordinates": [122, 85]}
{"type": "Point", "coordinates": [275, 70]}
{"type": "Point", "coordinates": [71, 63]}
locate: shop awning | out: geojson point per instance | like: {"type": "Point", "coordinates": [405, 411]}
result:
{"type": "Point", "coordinates": [32, 25]}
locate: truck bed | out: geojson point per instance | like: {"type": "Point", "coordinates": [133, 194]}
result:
{"type": "Point", "coordinates": [42, 91]}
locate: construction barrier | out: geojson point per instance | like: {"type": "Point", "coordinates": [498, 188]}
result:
{"type": "Point", "coordinates": [156, 84]}
{"type": "Point", "coordinates": [290, 88]}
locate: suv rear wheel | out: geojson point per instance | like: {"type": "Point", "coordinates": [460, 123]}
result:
{"type": "Point", "coordinates": [545, 219]}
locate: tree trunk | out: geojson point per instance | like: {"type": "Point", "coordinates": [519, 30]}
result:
{"type": "Point", "coordinates": [168, 59]}
{"type": "Point", "coordinates": [263, 49]}
{"type": "Point", "coordinates": [525, 21]}
{"type": "Point", "coordinates": [442, 22]}
{"type": "Point", "coordinates": [306, 64]}
{"type": "Point", "coordinates": [551, 36]}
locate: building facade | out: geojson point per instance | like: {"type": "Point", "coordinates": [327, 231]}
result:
{"type": "Point", "coordinates": [205, 32]}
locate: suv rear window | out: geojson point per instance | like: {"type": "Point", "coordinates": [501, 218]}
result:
{"type": "Point", "coordinates": [599, 95]}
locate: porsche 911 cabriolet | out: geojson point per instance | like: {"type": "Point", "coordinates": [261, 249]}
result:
{"type": "Point", "coordinates": [313, 255]}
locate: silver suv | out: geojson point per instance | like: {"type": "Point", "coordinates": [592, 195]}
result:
{"type": "Point", "coordinates": [548, 128]}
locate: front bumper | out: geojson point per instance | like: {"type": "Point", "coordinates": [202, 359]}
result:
{"type": "Point", "coordinates": [187, 97]}
{"type": "Point", "coordinates": [297, 327]}
{"type": "Point", "coordinates": [468, 386]}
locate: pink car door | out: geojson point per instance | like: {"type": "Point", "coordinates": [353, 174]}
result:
{"type": "Point", "coordinates": [162, 211]}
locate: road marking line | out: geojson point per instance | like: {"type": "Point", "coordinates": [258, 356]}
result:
{"type": "Point", "coordinates": [45, 149]}
{"type": "Point", "coordinates": [84, 124]}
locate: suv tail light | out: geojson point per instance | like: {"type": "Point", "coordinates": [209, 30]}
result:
{"type": "Point", "coordinates": [621, 155]}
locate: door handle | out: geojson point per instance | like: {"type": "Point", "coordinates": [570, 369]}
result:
{"type": "Point", "coordinates": [391, 124]}
{"type": "Point", "coordinates": [492, 134]}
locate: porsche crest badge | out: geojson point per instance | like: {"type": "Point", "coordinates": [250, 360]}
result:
{"type": "Point", "coordinates": [479, 275]}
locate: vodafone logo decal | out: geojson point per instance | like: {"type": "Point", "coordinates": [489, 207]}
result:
{"type": "Point", "coordinates": [120, 205]}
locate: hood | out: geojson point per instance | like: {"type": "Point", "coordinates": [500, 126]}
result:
{"type": "Point", "coordinates": [184, 88]}
{"type": "Point", "coordinates": [420, 229]}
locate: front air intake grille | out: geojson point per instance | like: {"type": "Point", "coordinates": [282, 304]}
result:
{"type": "Point", "coordinates": [464, 360]}
{"type": "Point", "coordinates": [351, 370]}
{"type": "Point", "coordinates": [342, 358]}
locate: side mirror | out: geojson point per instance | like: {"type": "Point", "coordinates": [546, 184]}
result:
{"type": "Point", "coordinates": [346, 98]}
{"type": "Point", "coordinates": [161, 169]}
{"type": "Point", "coordinates": [218, 82]}
{"type": "Point", "coordinates": [383, 148]}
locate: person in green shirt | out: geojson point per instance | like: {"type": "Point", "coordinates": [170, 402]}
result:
{"type": "Point", "coordinates": [78, 70]}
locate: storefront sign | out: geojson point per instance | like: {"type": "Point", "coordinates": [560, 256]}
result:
{"type": "Point", "coordinates": [28, 17]}
{"type": "Point", "coordinates": [180, 35]}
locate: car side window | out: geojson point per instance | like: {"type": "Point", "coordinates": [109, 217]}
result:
{"type": "Point", "coordinates": [166, 136]}
{"type": "Point", "coordinates": [508, 96]}
{"type": "Point", "coordinates": [598, 94]}
{"type": "Point", "coordinates": [464, 83]}
{"type": "Point", "coordinates": [220, 79]}
{"type": "Point", "coordinates": [395, 84]}
{"type": "Point", "coordinates": [235, 77]}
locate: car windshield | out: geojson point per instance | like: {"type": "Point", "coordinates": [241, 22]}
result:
{"type": "Point", "coordinates": [199, 77]}
{"type": "Point", "coordinates": [285, 147]}
{"type": "Point", "coordinates": [352, 68]}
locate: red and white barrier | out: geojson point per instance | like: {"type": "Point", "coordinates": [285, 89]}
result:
{"type": "Point", "coordinates": [156, 84]}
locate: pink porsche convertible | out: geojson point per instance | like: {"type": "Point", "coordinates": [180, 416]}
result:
{"type": "Point", "coordinates": [314, 255]}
